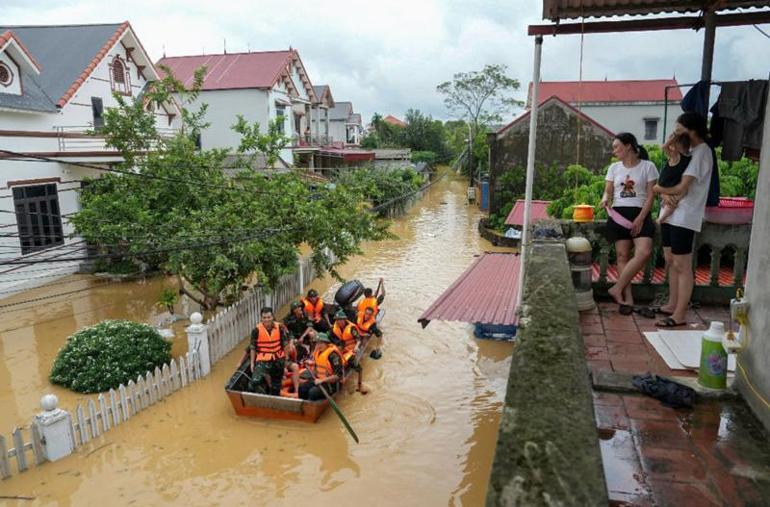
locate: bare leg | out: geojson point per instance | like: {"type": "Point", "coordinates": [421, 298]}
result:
{"type": "Point", "coordinates": [294, 367]}
{"type": "Point", "coordinates": [618, 292]}
{"type": "Point", "coordinates": [683, 265]}
{"type": "Point", "coordinates": [673, 281]}
{"type": "Point", "coordinates": [642, 253]}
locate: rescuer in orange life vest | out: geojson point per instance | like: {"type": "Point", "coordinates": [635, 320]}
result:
{"type": "Point", "coordinates": [267, 354]}
{"type": "Point", "coordinates": [372, 300]}
{"type": "Point", "coordinates": [314, 309]}
{"type": "Point", "coordinates": [328, 368]}
{"type": "Point", "coordinates": [346, 336]}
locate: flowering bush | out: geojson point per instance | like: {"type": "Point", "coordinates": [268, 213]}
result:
{"type": "Point", "coordinates": [108, 354]}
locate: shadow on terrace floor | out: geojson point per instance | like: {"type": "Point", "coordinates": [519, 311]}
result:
{"type": "Point", "coordinates": [715, 454]}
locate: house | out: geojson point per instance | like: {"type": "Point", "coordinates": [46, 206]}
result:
{"type": "Point", "coordinates": [392, 120]}
{"type": "Point", "coordinates": [320, 122]}
{"type": "Point", "coordinates": [55, 84]}
{"type": "Point", "coordinates": [636, 106]}
{"type": "Point", "coordinates": [565, 136]}
{"type": "Point", "coordinates": [345, 125]}
{"type": "Point", "coordinates": [261, 86]}
{"type": "Point", "coordinates": [393, 157]}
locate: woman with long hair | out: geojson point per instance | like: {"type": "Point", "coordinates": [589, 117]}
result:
{"type": "Point", "coordinates": [628, 188]}
{"type": "Point", "coordinates": [688, 199]}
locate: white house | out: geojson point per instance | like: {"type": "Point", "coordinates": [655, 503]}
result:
{"type": "Point", "coordinates": [636, 106]}
{"type": "Point", "coordinates": [346, 125]}
{"type": "Point", "coordinates": [55, 84]}
{"type": "Point", "coordinates": [262, 86]}
{"type": "Point", "coordinates": [321, 122]}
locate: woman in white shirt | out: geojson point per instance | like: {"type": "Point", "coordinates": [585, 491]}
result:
{"type": "Point", "coordinates": [629, 184]}
{"type": "Point", "coordinates": [678, 231]}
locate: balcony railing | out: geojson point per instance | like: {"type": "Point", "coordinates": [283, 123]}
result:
{"type": "Point", "coordinates": [79, 138]}
{"type": "Point", "coordinates": [304, 141]}
{"type": "Point", "coordinates": [719, 261]}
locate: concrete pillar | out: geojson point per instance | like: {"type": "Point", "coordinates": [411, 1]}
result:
{"type": "Point", "coordinates": [329, 141]}
{"type": "Point", "coordinates": [753, 372]}
{"type": "Point", "coordinates": [317, 123]}
{"type": "Point", "coordinates": [55, 426]}
{"type": "Point", "coordinates": [198, 340]}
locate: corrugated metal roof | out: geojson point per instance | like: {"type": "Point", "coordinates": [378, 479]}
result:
{"type": "Point", "coordinates": [485, 293]}
{"type": "Point", "coordinates": [642, 90]}
{"type": "Point", "coordinates": [570, 9]}
{"type": "Point", "coordinates": [538, 210]}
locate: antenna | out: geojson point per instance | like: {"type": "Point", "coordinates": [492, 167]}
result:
{"type": "Point", "coordinates": [164, 50]}
{"type": "Point", "coordinates": [248, 47]}
{"type": "Point", "coordinates": [225, 46]}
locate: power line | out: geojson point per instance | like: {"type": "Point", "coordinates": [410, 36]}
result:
{"type": "Point", "coordinates": [762, 31]}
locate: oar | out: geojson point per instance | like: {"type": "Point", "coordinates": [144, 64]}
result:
{"type": "Point", "coordinates": [335, 407]}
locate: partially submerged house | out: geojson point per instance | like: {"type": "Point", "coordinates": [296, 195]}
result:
{"type": "Point", "coordinates": [55, 84]}
{"type": "Point", "coordinates": [566, 136]}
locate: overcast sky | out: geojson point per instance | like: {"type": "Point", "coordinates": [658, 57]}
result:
{"type": "Point", "coordinates": [389, 56]}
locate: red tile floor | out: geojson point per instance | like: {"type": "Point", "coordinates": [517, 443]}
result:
{"type": "Point", "coordinates": [714, 454]}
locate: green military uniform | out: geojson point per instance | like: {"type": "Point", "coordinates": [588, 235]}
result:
{"type": "Point", "coordinates": [272, 369]}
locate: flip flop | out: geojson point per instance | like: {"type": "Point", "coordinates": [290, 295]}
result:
{"type": "Point", "coordinates": [658, 309]}
{"type": "Point", "coordinates": [670, 322]}
{"type": "Point", "coordinates": [645, 312]}
{"type": "Point", "coordinates": [625, 309]}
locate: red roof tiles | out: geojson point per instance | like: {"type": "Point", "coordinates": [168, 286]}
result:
{"type": "Point", "coordinates": [394, 121]}
{"type": "Point", "coordinates": [485, 293]}
{"type": "Point", "coordinates": [538, 211]}
{"type": "Point", "coordinates": [572, 92]}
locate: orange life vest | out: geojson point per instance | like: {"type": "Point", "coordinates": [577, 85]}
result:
{"type": "Point", "coordinates": [314, 311]}
{"type": "Point", "coordinates": [365, 325]}
{"type": "Point", "coordinates": [346, 335]}
{"type": "Point", "coordinates": [323, 367]}
{"type": "Point", "coordinates": [269, 344]}
{"type": "Point", "coordinates": [368, 303]}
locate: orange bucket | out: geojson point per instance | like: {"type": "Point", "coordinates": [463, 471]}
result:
{"type": "Point", "coordinates": [583, 213]}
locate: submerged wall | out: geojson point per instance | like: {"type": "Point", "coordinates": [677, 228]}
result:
{"type": "Point", "coordinates": [548, 448]}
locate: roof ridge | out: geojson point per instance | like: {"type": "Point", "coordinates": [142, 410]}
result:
{"type": "Point", "coordinates": [610, 80]}
{"type": "Point", "coordinates": [11, 27]}
{"type": "Point", "coordinates": [229, 54]}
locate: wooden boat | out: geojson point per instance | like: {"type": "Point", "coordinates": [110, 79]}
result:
{"type": "Point", "coordinates": [266, 406]}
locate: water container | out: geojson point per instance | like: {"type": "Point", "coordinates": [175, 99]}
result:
{"type": "Point", "coordinates": [713, 358]}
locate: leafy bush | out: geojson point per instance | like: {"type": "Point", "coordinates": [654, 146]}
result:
{"type": "Point", "coordinates": [379, 185]}
{"type": "Point", "coordinates": [424, 156]}
{"type": "Point", "coordinates": [108, 354]}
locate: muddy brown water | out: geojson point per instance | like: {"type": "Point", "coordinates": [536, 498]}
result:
{"type": "Point", "coordinates": [428, 428]}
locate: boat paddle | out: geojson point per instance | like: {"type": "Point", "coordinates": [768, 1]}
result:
{"type": "Point", "coordinates": [334, 407]}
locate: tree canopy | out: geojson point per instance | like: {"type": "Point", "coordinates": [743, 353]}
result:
{"type": "Point", "coordinates": [212, 222]}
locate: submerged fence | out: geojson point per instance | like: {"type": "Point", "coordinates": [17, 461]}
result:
{"type": "Point", "coordinates": [100, 416]}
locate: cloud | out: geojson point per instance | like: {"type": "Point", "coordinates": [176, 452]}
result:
{"type": "Point", "coordinates": [389, 56]}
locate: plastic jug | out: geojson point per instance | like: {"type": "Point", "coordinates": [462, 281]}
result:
{"type": "Point", "coordinates": [713, 358]}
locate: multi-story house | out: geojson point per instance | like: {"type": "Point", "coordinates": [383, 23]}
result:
{"type": "Point", "coordinates": [261, 86]}
{"type": "Point", "coordinates": [56, 82]}
{"type": "Point", "coordinates": [346, 125]}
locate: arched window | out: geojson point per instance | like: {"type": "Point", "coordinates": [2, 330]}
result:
{"type": "Point", "coordinates": [6, 76]}
{"type": "Point", "coordinates": [119, 76]}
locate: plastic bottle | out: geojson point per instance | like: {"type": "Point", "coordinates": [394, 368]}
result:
{"type": "Point", "coordinates": [713, 358]}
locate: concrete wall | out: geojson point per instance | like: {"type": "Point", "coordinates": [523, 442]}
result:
{"type": "Point", "coordinates": [754, 363]}
{"type": "Point", "coordinates": [630, 118]}
{"type": "Point", "coordinates": [557, 144]}
{"type": "Point", "coordinates": [548, 447]}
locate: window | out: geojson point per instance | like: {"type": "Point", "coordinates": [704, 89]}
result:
{"type": "Point", "coordinates": [97, 109]}
{"type": "Point", "coordinates": [119, 77]}
{"type": "Point", "coordinates": [6, 76]}
{"type": "Point", "coordinates": [280, 117]}
{"type": "Point", "coordinates": [650, 129]}
{"type": "Point", "coordinates": [37, 217]}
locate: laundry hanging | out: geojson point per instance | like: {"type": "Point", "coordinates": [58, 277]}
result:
{"type": "Point", "coordinates": [738, 117]}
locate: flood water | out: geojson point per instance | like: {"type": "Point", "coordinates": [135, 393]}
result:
{"type": "Point", "coordinates": [427, 428]}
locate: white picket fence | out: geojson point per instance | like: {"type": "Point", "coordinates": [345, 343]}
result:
{"type": "Point", "coordinates": [106, 412]}
{"type": "Point", "coordinates": [231, 325]}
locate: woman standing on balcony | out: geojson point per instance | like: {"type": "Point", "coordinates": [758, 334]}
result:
{"type": "Point", "coordinates": [629, 185]}
{"type": "Point", "coordinates": [688, 199]}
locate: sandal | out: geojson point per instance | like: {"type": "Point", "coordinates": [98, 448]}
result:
{"type": "Point", "coordinates": [625, 309]}
{"type": "Point", "coordinates": [670, 322]}
{"type": "Point", "coordinates": [645, 312]}
{"type": "Point", "coordinates": [658, 309]}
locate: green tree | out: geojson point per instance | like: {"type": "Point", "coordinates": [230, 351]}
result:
{"type": "Point", "coordinates": [175, 206]}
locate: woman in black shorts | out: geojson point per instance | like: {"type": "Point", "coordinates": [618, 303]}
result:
{"type": "Point", "coordinates": [628, 188]}
{"type": "Point", "coordinates": [688, 199]}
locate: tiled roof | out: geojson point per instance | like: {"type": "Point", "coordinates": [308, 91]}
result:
{"type": "Point", "coordinates": [66, 54]}
{"type": "Point", "coordinates": [262, 69]}
{"type": "Point", "coordinates": [394, 121]}
{"type": "Point", "coordinates": [485, 293]}
{"type": "Point", "coordinates": [566, 9]}
{"type": "Point", "coordinates": [538, 211]}
{"type": "Point", "coordinates": [572, 92]}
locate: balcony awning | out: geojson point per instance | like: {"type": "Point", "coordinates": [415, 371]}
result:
{"type": "Point", "coordinates": [571, 9]}
{"type": "Point", "coordinates": [485, 293]}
